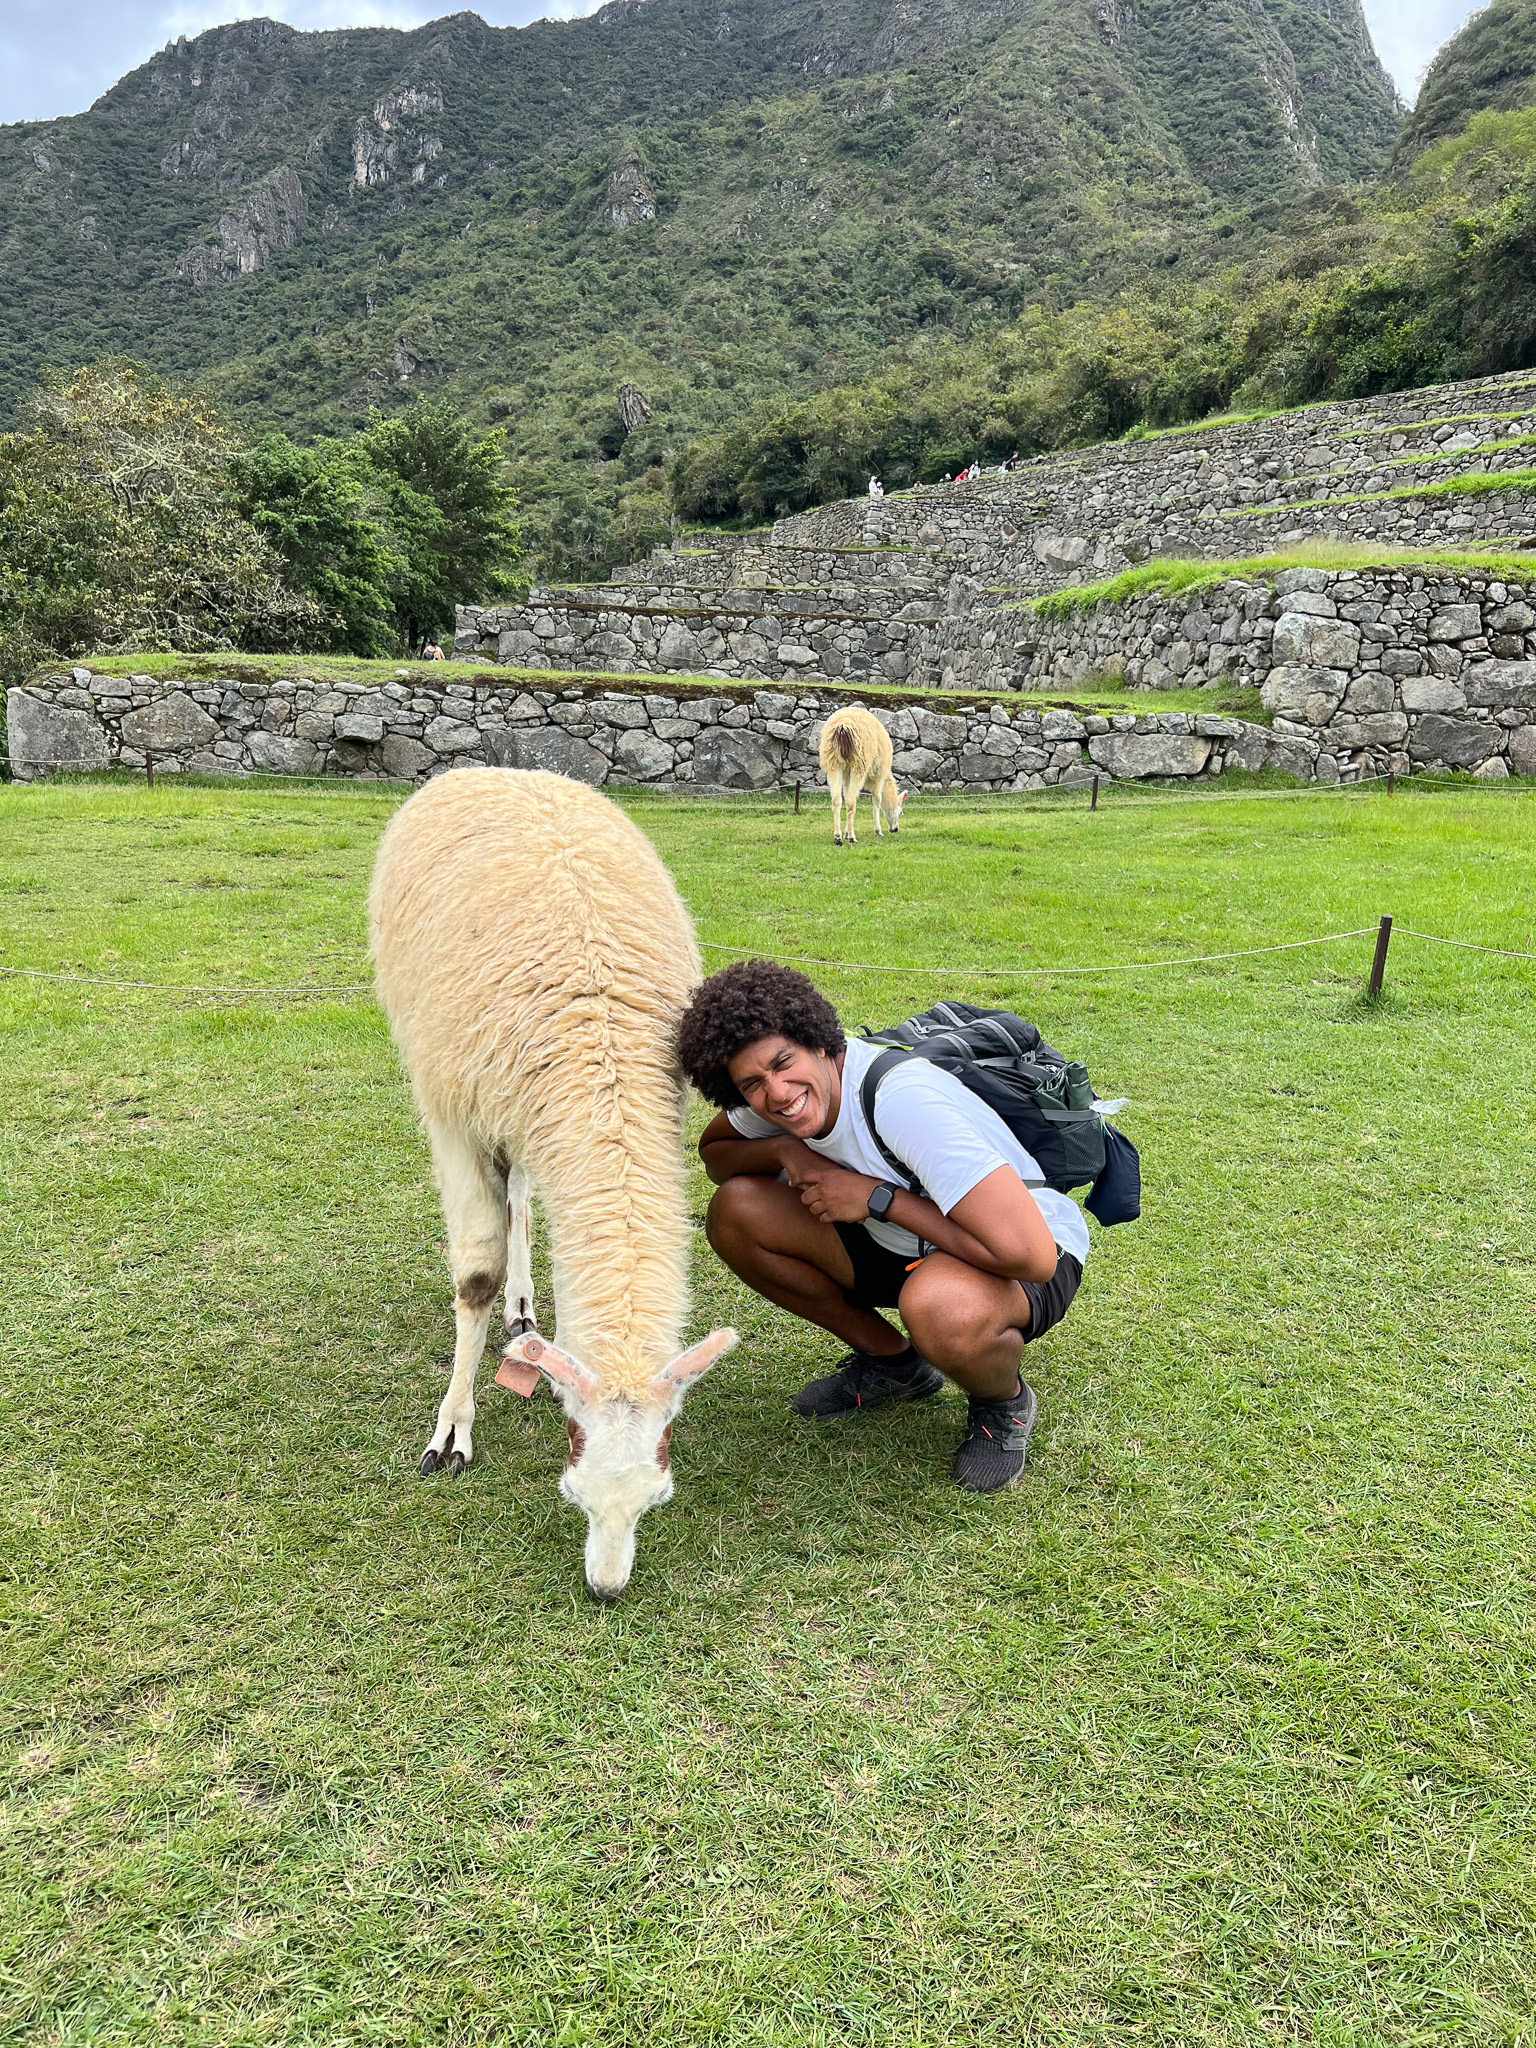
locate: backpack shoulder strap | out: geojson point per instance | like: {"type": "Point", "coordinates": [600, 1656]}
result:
{"type": "Point", "coordinates": [869, 1087]}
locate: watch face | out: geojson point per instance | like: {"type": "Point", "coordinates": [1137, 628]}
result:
{"type": "Point", "coordinates": [881, 1200]}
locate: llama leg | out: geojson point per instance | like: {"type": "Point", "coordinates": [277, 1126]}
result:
{"type": "Point", "coordinates": [876, 805]}
{"type": "Point", "coordinates": [856, 790]}
{"type": "Point", "coordinates": [520, 1315]}
{"type": "Point", "coordinates": [835, 785]}
{"type": "Point", "coordinates": [475, 1210]}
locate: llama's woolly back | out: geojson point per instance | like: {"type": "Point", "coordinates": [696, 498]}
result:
{"type": "Point", "coordinates": [533, 956]}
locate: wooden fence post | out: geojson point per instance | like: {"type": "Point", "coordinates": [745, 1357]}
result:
{"type": "Point", "coordinates": [1093, 801]}
{"type": "Point", "coordinates": [797, 799]}
{"type": "Point", "coordinates": [149, 769]}
{"type": "Point", "coordinates": [1379, 964]}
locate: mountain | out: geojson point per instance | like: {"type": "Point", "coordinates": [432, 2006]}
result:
{"type": "Point", "coordinates": [708, 199]}
{"type": "Point", "coordinates": [1423, 277]}
{"type": "Point", "coordinates": [1489, 66]}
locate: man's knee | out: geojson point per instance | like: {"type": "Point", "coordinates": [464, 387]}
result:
{"type": "Point", "coordinates": [730, 1215]}
{"type": "Point", "coordinates": [953, 1312]}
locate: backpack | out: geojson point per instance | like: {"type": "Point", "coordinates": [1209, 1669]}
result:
{"type": "Point", "coordinates": [1046, 1101]}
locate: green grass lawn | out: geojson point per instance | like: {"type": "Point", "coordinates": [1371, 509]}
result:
{"type": "Point", "coordinates": [1218, 1730]}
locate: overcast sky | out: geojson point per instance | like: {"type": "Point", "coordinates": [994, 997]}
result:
{"type": "Point", "coordinates": [56, 56]}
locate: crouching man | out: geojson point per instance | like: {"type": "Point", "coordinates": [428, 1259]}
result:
{"type": "Point", "coordinates": [809, 1213]}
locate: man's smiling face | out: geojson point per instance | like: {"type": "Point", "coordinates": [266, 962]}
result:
{"type": "Point", "coordinates": [789, 1085]}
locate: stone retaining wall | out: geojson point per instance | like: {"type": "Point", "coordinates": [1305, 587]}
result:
{"type": "Point", "coordinates": [1364, 672]}
{"type": "Point", "coordinates": [783, 642]}
{"type": "Point", "coordinates": [880, 588]}
{"type": "Point", "coordinates": [691, 737]}
{"type": "Point", "coordinates": [1231, 489]}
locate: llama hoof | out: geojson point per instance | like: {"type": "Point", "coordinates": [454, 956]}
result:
{"type": "Point", "coordinates": [451, 1455]}
{"type": "Point", "coordinates": [520, 1326]}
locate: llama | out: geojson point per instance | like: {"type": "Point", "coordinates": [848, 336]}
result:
{"type": "Point", "coordinates": [855, 755]}
{"type": "Point", "coordinates": [533, 958]}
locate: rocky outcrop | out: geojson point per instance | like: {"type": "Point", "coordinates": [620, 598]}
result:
{"type": "Point", "coordinates": [384, 139]}
{"type": "Point", "coordinates": [634, 407]}
{"type": "Point", "coordinates": [630, 199]}
{"type": "Point", "coordinates": [269, 220]}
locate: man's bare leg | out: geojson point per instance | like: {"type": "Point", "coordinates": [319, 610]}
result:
{"type": "Point", "coordinates": [970, 1324]}
{"type": "Point", "coordinates": [769, 1239]}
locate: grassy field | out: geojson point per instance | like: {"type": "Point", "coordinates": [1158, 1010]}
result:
{"type": "Point", "coordinates": [1218, 1731]}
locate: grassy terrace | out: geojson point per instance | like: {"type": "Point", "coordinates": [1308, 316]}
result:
{"type": "Point", "coordinates": [336, 669]}
{"type": "Point", "coordinates": [1481, 484]}
{"type": "Point", "coordinates": [1218, 1730]}
{"type": "Point", "coordinates": [1187, 575]}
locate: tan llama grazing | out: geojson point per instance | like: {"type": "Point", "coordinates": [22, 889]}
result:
{"type": "Point", "coordinates": [856, 755]}
{"type": "Point", "coordinates": [533, 957]}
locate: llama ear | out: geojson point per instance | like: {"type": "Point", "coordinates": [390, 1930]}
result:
{"type": "Point", "coordinates": [557, 1366]}
{"type": "Point", "coordinates": [691, 1365]}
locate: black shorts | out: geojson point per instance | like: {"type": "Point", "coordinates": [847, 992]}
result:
{"type": "Point", "coordinates": [879, 1275]}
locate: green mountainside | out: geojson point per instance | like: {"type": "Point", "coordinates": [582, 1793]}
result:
{"type": "Point", "coordinates": [1423, 276]}
{"type": "Point", "coordinates": [723, 205]}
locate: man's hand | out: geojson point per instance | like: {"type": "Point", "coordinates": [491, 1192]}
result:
{"type": "Point", "coordinates": [833, 1194]}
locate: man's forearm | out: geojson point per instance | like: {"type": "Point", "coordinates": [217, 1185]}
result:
{"type": "Point", "coordinates": [729, 1158]}
{"type": "Point", "coordinates": [927, 1220]}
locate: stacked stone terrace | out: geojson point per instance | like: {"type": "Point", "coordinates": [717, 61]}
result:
{"type": "Point", "coordinates": [889, 590]}
{"type": "Point", "coordinates": [1359, 673]}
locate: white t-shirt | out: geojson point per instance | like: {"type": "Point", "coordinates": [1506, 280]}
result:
{"type": "Point", "coordinates": [948, 1136]}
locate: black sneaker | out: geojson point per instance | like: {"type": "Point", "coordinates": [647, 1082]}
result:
{"type": "Point", "coordinates": [862, 1381]}
{"type": "Point", "coordinates": [996, 1437]}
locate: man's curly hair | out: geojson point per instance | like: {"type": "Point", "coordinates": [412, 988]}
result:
{"type": "Point", "coordinates": [749, 1000]}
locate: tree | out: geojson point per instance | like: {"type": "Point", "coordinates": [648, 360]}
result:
{"type": "Point", "coordinates": [120, 531]}
{"type": "Point", "coordinates": [317, 512]}
{"type": "Point", "coordinates": [444, 500]}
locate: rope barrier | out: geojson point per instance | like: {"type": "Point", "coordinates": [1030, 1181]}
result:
{"type": "Point", "coordinates": [1015, 973]}
{"type": "Point", "coordinates": [176, 988]}
{"type": "Point", "coordinates": [253, 993]}
{"type": "Point", "coordinates": [1198, 788]}
{"type": "Point", "coordinates": [1403, 931]}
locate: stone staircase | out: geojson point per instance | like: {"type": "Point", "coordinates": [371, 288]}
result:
{"type": "Point", "coordinates": [899, 590]}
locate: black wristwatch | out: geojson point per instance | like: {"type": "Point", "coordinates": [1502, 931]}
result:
{"type": "Point", "coordinates": [880, 1201]}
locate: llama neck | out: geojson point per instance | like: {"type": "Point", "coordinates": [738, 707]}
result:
{"type": "Point", "coordinates": [619, 1236]}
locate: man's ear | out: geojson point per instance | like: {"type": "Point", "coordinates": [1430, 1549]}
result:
{"type": "Point", "coordinates": [692, 1365]}
{"type": "Point", "coordinates": [557, 1366]}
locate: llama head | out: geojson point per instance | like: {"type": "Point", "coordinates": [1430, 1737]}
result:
{"type": "Point", "coordinates": [619, 1465]}
{"type": "Point", "coordinates": [893, 808]}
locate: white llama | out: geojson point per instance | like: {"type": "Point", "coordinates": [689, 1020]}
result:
{"type": "Point", "coordinates": [856, 755]}
{"type": "Point", "coordinates": [533, 958]}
